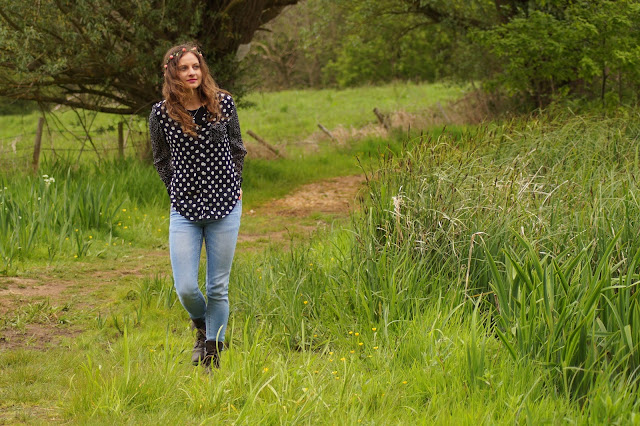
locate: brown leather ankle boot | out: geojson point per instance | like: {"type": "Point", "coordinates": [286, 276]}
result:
{"type": "Point", "coordinates": [201, 335]}
{"type": "Point", "coordinates": [212, 355]}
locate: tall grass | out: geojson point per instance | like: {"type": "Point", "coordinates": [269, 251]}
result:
{"type": "Point", "coordinates": [64, 211]}
{"type": "Point", "coordinates": [539, 221]}
{"type": "Point", "coordinates": [489, 277]}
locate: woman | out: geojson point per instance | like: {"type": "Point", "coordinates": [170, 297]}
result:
{"type": "Point", "coordinates": [198, 153]}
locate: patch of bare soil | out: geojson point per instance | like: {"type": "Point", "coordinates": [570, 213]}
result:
{"type": "Point", "coordinates": [336, 195]}
{"type": "Point", "coordinates": [330, 198]}
{"type": "Point", "coordinates": [35, 336]}
{"type": "Point", "coordinates": [35, 310]}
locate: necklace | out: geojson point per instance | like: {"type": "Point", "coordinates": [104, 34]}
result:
{"type": "Point", "coordinates": [195, 113]}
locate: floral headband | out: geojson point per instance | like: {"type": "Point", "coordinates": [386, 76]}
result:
{"type": "Point", "coordinates": [180, 52]}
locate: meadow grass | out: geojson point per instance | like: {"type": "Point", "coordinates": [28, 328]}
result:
{"type": "Point", "coordinates": [73, 211]}
{"type": "Point", "coordinates": [489, 277]}
{"type": "Point", "coordinates": [279, 117]}
{"type": "Point", "coordinates": [293, 115]}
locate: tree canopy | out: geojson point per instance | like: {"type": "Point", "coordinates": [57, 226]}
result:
{"type": "Point", "coordinates": [105, 55]}
{"type": "Point", "coordinates": [536, 50]}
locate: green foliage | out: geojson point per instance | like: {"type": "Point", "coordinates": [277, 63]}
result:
{"type": "Point", "coordinates": [525, 231]}
{"type": "Point", "coordinates": [12, 106]}
{"type": "Point", "coordinates": [584, 48]}
{"type": "Point", "coordinates": [353, 43]}
{"type": "Point", "coordinates": [65, 214]}
{"type": "Point", "coordinates": [105, 55]}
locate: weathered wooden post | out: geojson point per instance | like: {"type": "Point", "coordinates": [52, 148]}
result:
{"type": "Point", "coordinates": [120, 140]}
{"type": "Point", "coordinates": [382, 119]}
{"type": "Point", "coordinates": [265, 144]}
{"type": "Point", "coordinates": [37, 144]}
{"type": "Point", "coordinates": [327, 132]}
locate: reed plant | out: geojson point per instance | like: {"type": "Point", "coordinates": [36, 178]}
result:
{"type": "Point", "coordinates": [537, 219]}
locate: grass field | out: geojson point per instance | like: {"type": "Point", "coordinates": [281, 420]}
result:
{"type": "Point", "coordinates": [488, 276]}
{"type": "Point", "coordinates": [280, 118]}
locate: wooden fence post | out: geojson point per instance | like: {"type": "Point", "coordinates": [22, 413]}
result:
{"type": "Point", "coordinates": [265, 144]}
{"type": "Point", "coordinates": [120, 140]}
{"type": "Point", "coordinates": [382, 119]}
{"type": "Point", "coordinates": [37, 144]}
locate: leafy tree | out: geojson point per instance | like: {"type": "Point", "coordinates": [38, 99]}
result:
{"type": "Point", "coordinates": [104, 55]}
{"type": "Point", "coordinates": [353, 42]}
{"type": "Point", "coordinates": [568, 47]}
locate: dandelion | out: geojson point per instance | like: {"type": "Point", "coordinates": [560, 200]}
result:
{"type": "Point", "coordinates": [404, 382]}
{"type": "Point", "coordinates": [126, 227]}
{"type": "Point", "coordinates": [352, 352]}
{"type": "Point", "coordinates": [373, 329]}
{"type": "Point", "coordinates": [351, 332]}
{"type": "Point", "coordinates": [375, 348]}
{"type": "Point", "coordinates": [343, 359]}
{"type": "Point", "coordinates": [124, 210]}
{"type": "Point", "coordinates": [357, 334]}
{"type": "Point", "coordinates": [360, 343]}
{"type": "Point", "coordinates": [66, 239]}
{"type": "Point", "coordinates": [315, 335]}
{"type": "Point", "coordinates": [90, 237]}
{"type": "Point", "coordinates": [76, 229]}
{"type": "Point", "coordinates": [305, 302]}
{"type": "Point", "coordinates": [75, 256]}
{"type": "Point", "coordinates": [264, 370]}
{"type": "Point", "coordinates": [159, 230]}
{"type": "Point", "coordinates": [316, 372]}
{"type": "Point", "coordinates": [334, 372]}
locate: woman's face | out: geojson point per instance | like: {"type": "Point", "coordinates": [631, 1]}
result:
{"type": "Point", "coordinates": [189, 71]}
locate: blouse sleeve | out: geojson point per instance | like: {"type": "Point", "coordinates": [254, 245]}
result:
{"type": "Point", "coordinates": [238, 150]}
{"type": "Point", "coordinates": [161, 152]}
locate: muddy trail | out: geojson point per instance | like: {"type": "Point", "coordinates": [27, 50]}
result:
{"type": "Point", "coordinates": [36, 305]}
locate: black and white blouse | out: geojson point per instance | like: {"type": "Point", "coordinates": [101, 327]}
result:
{"type": "Point", "coordinates": [203, 175]}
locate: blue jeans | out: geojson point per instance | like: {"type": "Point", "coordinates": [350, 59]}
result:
{"type": "Point", "coordinates": [185, 245]}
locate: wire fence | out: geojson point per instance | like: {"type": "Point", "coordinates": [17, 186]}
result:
{"type": "Point", "coordinates": [21, 150]}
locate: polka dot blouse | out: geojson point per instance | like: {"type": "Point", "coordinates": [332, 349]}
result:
{"type": "Point", "coordinates": [203, 174]}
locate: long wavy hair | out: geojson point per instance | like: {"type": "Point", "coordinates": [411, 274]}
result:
{"type": "Point", "coordinates": [175, 92]}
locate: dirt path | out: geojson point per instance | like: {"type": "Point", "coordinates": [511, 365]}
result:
{"type": "Point", "coordinates": [35, 306]}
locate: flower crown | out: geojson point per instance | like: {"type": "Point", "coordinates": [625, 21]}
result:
{"type": "Point", "coordinates": [181, 52]}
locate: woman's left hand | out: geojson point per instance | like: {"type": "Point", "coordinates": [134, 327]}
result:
{"type": "Point", "coordinates": [240, 197]}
